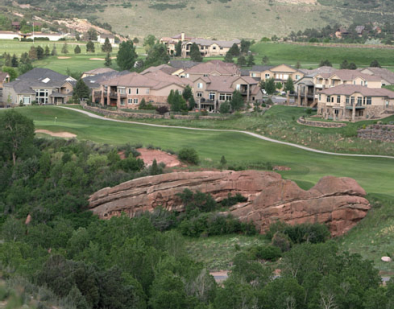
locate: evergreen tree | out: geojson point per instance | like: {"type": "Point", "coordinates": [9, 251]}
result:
{"type": "Point", "coordinates": [126, 55]}
{"type": "Point", "coordinates": [352, 66]}
{"type": "Point", "coordinates": [223, 161]}
{"type": "Point", "coordinates": [90, 47]}
{"type": "Point", "coordinates": [250, 61]}
{"type": "Point", "coordinates": [33, 53]}
{"type": "Point", "coordinates": [47, 52]}
{"type": "Point", "coordinates": [241, 61]}
{"type": "Point", "coordinates": [77, 49]}
{"type": "Point", "coordinates": [195, 54]}
{"type": "Point", "coordinates": [40, 52]}
{"type": "Point", "coordinates": [298, 65]}
{"type": "Point", "coordinates": [106, 47]}
{"type": "Point", "coordinates": [7, 59]}
{"type": "Point", "coordinates": [237, 101]}
{"type": "Point", "coordinates": [14, 61]}
{"type": "Point", "coordinates": [187, 93]}
{"type": "Point", "coordinates": [224, 108]}
{"type": "Point", "coordinates": [81, 90]}
{"type": "Point", "coordinates": [108, 60]}
{"type": "Point", "coordinates": [157, 55]}
{"type": "Point", "coordinates": [326, 63]}
{"type": "Point", "coordinates": [289, 85]}
{"type": "Point", "coordinates": [270, 86]}
{"type": "Point", "coordinates": [265, 60]}
{"type": "Point", "coordinates": [176, 101]}
{"type": "Point", "coordinates": [65, 48]}
{"type": "Point", "coordinates": [192, 103]}
{"type": "Point", "coordinates": [344, 65]}
{"type": "Point", "coordinates": [234, 50]}
{"type": "Point", "coordinates": [375, 64]}
{"type": "Point", "coordinates": [228, 57]}
{"type": "Point", "coordinates": [54, 51]}
{"type": "Point", "coordinates": [178, 49]}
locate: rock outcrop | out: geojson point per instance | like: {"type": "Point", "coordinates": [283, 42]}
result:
{"type": "Point", "coordinates": [338, 202]}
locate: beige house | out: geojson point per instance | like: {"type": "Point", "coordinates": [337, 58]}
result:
{"type": "Point", "coordinates": [211, 91]}
{"type": "Point", "coordinates": [42, 86]}
{"type": "Point", "coordinates": [210, 68]}
{"type": "Point", "coordinates": [102, 36]}
{"type": "Point", "coordinates": [280, 73]}
{"type": "Point", "coordinates": [171, 42]}
{"type": "Point", "coordinates": [387, 77]}
{"type": "Point", "coordinates": [351, 102]}
{"type": "Point", "coordinates": [209, 48]}
{"type": "Point", "coordinates": [127, 91]}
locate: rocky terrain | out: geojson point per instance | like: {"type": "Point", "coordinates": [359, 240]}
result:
{"type": "Point", "coordinates": [338, 202]}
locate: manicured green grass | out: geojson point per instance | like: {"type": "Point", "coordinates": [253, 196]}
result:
{"type": "Point", "coordinates": [310, 56]}
{"type": "Point", "coordinates": [373, 174]}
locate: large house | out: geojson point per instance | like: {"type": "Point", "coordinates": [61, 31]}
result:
{"type": "Point", "coordinates": [209, 48]}
{"type": "Point", "coordinates": [127, 91]}
{"type": "Point", "coordinates": [210, 68]}
{"type": "Point", "coordinates": [279, 73]}
{"type": "Point", "coordinates": [42, 86]}
{"type": "Point", "coordinates": [102, 36]}
{"type": "Point", "coordinates": [211, 91]}
{"type": "Point", "coordinates": [171, 42]}
{"type": "Point", "coordinates": [351, 102]}
{"type": "Point", "coordinates": [387, 77]}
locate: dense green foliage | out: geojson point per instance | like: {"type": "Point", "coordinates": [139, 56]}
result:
{"type": "Point", "coordinates": [126, 56]}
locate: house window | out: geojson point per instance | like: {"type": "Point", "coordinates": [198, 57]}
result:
{"type": "Point", "coordinates": [26, 100]}
{"type": "Point", "coordinates": [319, 97]}
{"type": "Point", "coordinates": [338, 99]}
{"type": "Point", "coordinates": [129, 101]}
{"type": "Point", "coordinates": [199, 85]}
{"type": "Point", "coordinates": [214, 48]}
{"type": "Point", "coordinates": [135, 101]}
{"type": "Point", "coordinates": [352, 100]}
{"type": "Point", "coordinates": [42, 96]}
{"type": "Point", "coordinates": [129, 90]}
{"type": "Point", "coordinates": [328, 98]}
{"type": "Point", "coordinates": [122, 90]}
{"type": "Point", "coordinates": [366, 83]}
{"type": "Point", "coordinates": [267, 76]}
{"type": "Point", "coordinates": [212, 95]}
{"type": "Point", "coordinates": [298, 77]}
{"type": "Point", "coordinates": [359, 100]}
{"type": "Point", "coordinates": [147, 91]}
{"type": "Point", "coordinates": [205, 75]}
{"type": "Point", "coordinates": [238, 87]}
{"type": "Point", "coordinates": [136, 91]}
{"type": "Point", "coordinates": [221, 48]}
{"type": "Point", "coordinates": [229, 97]}
{"type": "Point", "coordinates": [285, 76]}
{"type": "Point", "coordinates": [347, 99]}
{"type": "Point", "coordinates": [369, 100]}
{"type": "Point", "coordinates": [199, 94]}
{"type": "Point", "coordinates": [222, 97]}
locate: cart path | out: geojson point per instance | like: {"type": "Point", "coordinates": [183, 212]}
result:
{"type": "Point", "coordinates": [228, 130]}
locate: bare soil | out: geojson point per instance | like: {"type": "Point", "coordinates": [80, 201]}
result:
{"type": "Point", "coordinates": [148, 155]}
{"type": "Point", "coordinates": [57, 134]}
{"type": "Point", "coordinates": [63, 58]}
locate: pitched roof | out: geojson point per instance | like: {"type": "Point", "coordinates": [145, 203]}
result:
{"type": "Point", "coordinates": [320, 70]}
{"type": "Point", "coordinates": [224, 84]}
{"type": "Point", "coordinates": [4, 75]}
{"type": "Point", "coordinates": [104, 36]}
{"type": "Point", "coordinates": [261, 68]}
{"type": "Point", "coordinates": [383, 73]}
{"type": "Point", "coordinates": [93, 81]}
{"type": "Point", "coordinates": [99, 71]}
{"type": "Point", "coordinates": [163, 67]}
{"type": "Point", "coordinates": [352, 74]}
{"type": "Point", "coordinates": [365, 91]}
{"type": "Point", "coordinates": [207, 42]}
{"type": "Point", "coordinates": [223, 68]}
{"type": "Point", "coordinates": [183, 64]}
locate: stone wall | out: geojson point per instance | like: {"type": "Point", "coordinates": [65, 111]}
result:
{"type": "Point", "coordinates": [384, 133]}
{"type": "Point", "coordinates": [320, 124]}
{"type": "Point", "coordinates": [121, 114]}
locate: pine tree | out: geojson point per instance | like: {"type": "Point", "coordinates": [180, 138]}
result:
{"type": "Point", "coordinates": [126, 56]}
{"type": "Point", "coordinates": [40, 52]}
{"type": "Point", "coordinates": [47, 52]}
{"type": "Point", "coordinates": [195, 54]}
{"type": "Point", "coordinates": [178, 49]}
{"type": "Point", "coordinates": [237, 102]}
{"type": "Point", "coordinates": [14, 61]}
{"type": "Point", "coordinates": [81, 90]}
{"type": "Point", "coordinates": [54, 51]}
{"type": "Point", "coordinates": [65, 48]}
{"type": "Point", "coordinates": [7, 59]}
{"type": "Point", "coordinates": [77, 49]}
{"type": "Point", "coordinates": [33, 53]}
{"type": "Point", "coordinates": [90, 47]}
{"type": "Point", "coordinates": [223, 161]}
{"type": "Point", "coordinates": [241, 61]}
{"type": "Point", "coordinates": [106, 47]}
{"type": "Point", "coordinates": [250, 61]}
{"type": "Point", "coordinates": [108, 60]}
{"type": "Point", "coordinates": [234, 50]}
{"type": "Point", "coordinates": [228, 57]}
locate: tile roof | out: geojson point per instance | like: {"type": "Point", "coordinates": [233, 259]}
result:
{"type": "Point", "coordinates": [365, 91]}
{"type": "Point", "coordinates": [383, 73]}
{"type": "Point", "coordinates": [183, 64]}
{"type": "Point", "coordinates": [99, 71]}
{"type": "Point", "coordinates": [352, 74]}
{"type": "Point", "coordinates": [163, 67]}
{"type": "Point", "coordinates": [261, 68]}
{"type": "Point", "coordinates": [224, 84]}
{"type": "Point", "coordinates": [95, 80]}
{"type": "Point", "coordinates": [212, 66]}
{"type": "Point", "coordinates": [3, 76]}
{"type": "Point", "coordinates": [320, 70]}
{"type": "Point", "coordinates": [207, 42]}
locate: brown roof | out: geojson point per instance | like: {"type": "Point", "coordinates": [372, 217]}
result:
{"type": "Point", "coordinates": [169, 79]}
{"type": "Point", "coordinates": [320, 70]}
{"type": "Point", "coordinates": [223, 68]}
{"type": "Point", "coordinates": [352, 74]}
{"type": "Point", "coordinates": [163, 67]}
{"type": "Point", "coordinates": [4, 75]}
{"type": "Point", "coordinates": [99, 71]}
{"type": "Point", "coordinates": [365, 91]}
{"type": "Point", "coordinates": [382, 73]}
{"type": "Point", "coordinates": [224, 84]}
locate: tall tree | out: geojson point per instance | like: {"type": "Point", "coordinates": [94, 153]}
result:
{"type": "Point", "coordinates": [33, 53]}
{"type": "Point", "coordinates": [108, 60]}
{"type": "Point", "coordinates": [149, 41]}
{"type": "Point", "coordinates": [234, 50]}
{"type": "Point", "coordinates": [126, 55]}
{"type": "Point", "coordinates": [195, 54]}
{"type": "Point", "coordinates": [237, 101]}
{"type": "Point", "coordinates": [344, 65]}
{"type": "Point", "coordinates": [40, 52]}
{"type": "Point", "coordinates": [228, 57]}
{"type": "Point", "coordinates": [106, 47]}
{"type": "Point", "coordinates": [16, 135]}
{"type": "Point", "coordinates": [54, 51]}
{"type": "Point", "coordinates": [241, 61]}
{"type": "Point", "coordinates": [245, 44]}
{"type": "Point", "coordinates": [270, 86]}
{"type": "Point", "coordinates": [250, 61]}
{"type": "Point", "coordinates": [375, 64]}
{"type": "Point", "coordinates": [92, 34]}
{"type": "Point", "coordinates": [178, 49]}
{"type": "Point", "coordinates": [81, 90]}
{"type": "Point", "coordinates": [289, 85]}
{"type": "Point", "coordinates": [157, 55]}
{"type": "Point", "coordinates": [65, 48]}
{"type": "Point", "coordinates": [90, 47]}
{"type": "Point", "coordinates": [265, 60]}
{"type": "Point", "coordinates": [77, 49]}
{"type": "Point", "coordinates": [14, 61]}
{"type": "Point", "coordinates": [47, 52]}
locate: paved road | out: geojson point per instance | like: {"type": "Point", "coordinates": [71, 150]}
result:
{"type": "Point", "coordinates": [223, 130]}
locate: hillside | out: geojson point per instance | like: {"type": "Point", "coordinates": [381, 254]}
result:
{"type": "Point", "coordinates": [222, 19]}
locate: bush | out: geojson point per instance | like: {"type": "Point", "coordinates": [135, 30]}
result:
{"type": "Point", "coordinates": [282, 241]}
{"type": "Point", "coordinates": [269, 253]}
{"type": "Point", "coordinates": [232, 200]}
{"type": "Point", "coordinates": [162, 110]}
{"type": "Point", "coordinates": [189, 155]}
{"type": "Point", "coordinates": [204, 112]}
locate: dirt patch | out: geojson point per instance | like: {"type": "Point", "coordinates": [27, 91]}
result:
{"type": "Point", "coordinates": [96, 59]}
{"type": "Point", "coordinates": [63, 57]}
{"type": "Point", "coordinates": [57, 134]}
{"type": "Point", "coordinates": [148, 155]}
{"type": "Point", "coordinates": [281, 168]}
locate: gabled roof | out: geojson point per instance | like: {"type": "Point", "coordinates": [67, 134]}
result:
{"type": "Point", "coordinates": [353, 74]}
{"type": "Point", "coordinates": [320, 70]}
{"type": "Point", "coordinates": [104, 36]}
{"type": "Point", "coordinates": [381, 72]}
{"type": "Point", "coordinates": [183, 64]}
{"type": "Point", "coordinates": [206, 42]}
{"type": "Point", "coordinates": [261, 68]}
{"type": "Point", "coordinates": [99, 71]}
{"type": "Point", "coordinates": [365, 91]}
{"type": "Point", "coordinates": [163, 68]}
{"type": "Point", "coordinates": [224, 84]}
{"type": "Point", "coordinates": [4, 75]}
{"type": "Point", "coordinates": [93, 81]}
{"type": "Point", "coordinates": [217, 66]}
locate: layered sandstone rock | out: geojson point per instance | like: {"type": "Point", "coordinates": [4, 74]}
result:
{"type": "Point", "coordinates": [338, 202]}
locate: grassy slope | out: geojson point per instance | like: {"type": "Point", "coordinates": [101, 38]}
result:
{"type": "Point", "coordinates": [375, 175]}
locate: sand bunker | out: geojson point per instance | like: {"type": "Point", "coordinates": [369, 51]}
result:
{"type": "Point", "coordinates": [96, 59]}
{"type": "Point", "coordinates": [57, 134]}
{"type": "Point", "coordinates": [148, 155]}
{"type": "Point", "coordinates": [63, 57]}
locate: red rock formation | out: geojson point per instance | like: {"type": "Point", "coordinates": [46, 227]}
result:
{"type": "Point", "coordinates": [338, 202]}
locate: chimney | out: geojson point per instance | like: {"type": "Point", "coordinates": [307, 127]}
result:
{"type": "Point", "coordinates": [182, 36]}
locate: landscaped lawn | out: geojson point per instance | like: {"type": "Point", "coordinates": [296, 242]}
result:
{"type": "Point", "coordinates": [373, 174]}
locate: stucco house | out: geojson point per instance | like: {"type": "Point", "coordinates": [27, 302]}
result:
{"type": "Point", "coordinates": [351, 102]}
{"type": "Point", "coordinates": [209, 48]}
{"type": "Point", "coordinates": [280, 73]}
{"type": "Point", "coordinates": [171, 42]}
{"type": "Point", "coordinates": [43, 86]}
{"type": "Point", "coordinates": [387, 77]}
{"type": "Point", "coordinates": [210, 68]}
{"type": "Point", "coordinates": [128, 90]}
{"type": "Point", "coordinates": [211, 91]}
{"type": "Point", "coordinates": [102, 36]}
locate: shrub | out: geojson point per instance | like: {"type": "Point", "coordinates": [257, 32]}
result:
{"type": "Point", "coordinates": [201, 201]}
{"type": "Point", "coordinates": [269, 253]}
{"type": "Point", "coordinates": [232, 200]}
{"type": "Point", "coordinates": [189, 155]}
{"type": "Point", "coordinates": [309, 111]}
{"type": "Point", "coordinates": [204, 112]}
{"type": "Point", "coordinates": [282, 241]}
{"type": "Point", "coordinates": [162, 110]}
